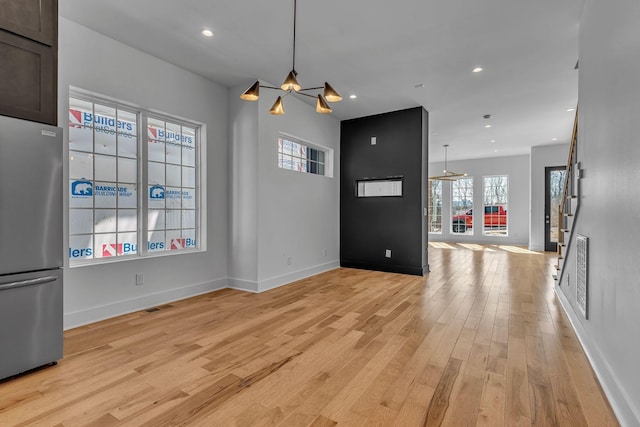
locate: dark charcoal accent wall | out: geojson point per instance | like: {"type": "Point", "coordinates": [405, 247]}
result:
{"type": "Point", "coordinates": [371, 225]}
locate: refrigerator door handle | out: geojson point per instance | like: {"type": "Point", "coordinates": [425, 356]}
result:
{"type": "Point", "coordinates": [30, 282]}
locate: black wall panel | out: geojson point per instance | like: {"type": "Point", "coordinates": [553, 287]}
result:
{"type": "Point", "coordinates": [371, 225]}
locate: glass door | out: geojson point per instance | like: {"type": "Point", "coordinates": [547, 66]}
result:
{"type": "Point", "coordinates": [554, 184]}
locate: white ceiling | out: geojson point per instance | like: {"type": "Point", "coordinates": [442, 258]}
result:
{"type": "Point", "coordinates": [380, 50]}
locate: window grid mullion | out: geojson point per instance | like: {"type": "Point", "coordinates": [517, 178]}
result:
{"type": "Point", "coordinates": [93, 159]}
{"type": "Point", "coordinates": [143, 186]}
{"type": "Point", "coordinates": [117, 187]}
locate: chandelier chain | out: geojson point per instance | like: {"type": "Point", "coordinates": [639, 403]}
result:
{"type": "Point", "coordinates": [295, 7]}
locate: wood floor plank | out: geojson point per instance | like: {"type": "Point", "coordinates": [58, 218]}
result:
{"type": "Point", "coordinates": [542, 407]}
{"type": "Point", "coordinates": [480, 340]}
{"type": "Point", "coordinates": [466, 398]}
{"type": "Point", "coordinates": [415, 406]}
{"type": "Point", "coordinates": [340, 406]}
{"type": "Point", "coordinates": [491, 412]}
{"type": "Point", "coordinates": [440, 401]}
{"type": "Point", "coordinates": [596, 408]}
{"type": "Point", "coordinates": [568, 408]}
{"type": "Point", "coordinates": [517, 399]}
{"type": "Point", "coordinates": [397, 392]}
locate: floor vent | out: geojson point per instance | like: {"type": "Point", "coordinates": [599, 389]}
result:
{"type": "Point", "coordinates": [152, 309]}
{"type": "Point", "coordinates": [581, 273]}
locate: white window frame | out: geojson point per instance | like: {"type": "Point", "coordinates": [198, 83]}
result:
{"type": "Point", "coordinates": [499, 232]}
{"type": "Point", "coordinates": [328, 154]}
{"type": "Point", "coordinates": [430, 207]}
{"type": "Point", "coordinates": [461, 212]}
{"type": "Point", "coordinates": [142, 206]}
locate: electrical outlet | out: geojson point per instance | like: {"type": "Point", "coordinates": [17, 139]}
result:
{"type": "Point", "coordinates": [139, 279]}
{"type": "Point", "coordinates": [374, 140]}
{"type": "Point", "coordinates": [288, 260]}
{"type": "Point", "coordinates": [324, 252]}
{"type": "Point", "coordinates": [387, 253]}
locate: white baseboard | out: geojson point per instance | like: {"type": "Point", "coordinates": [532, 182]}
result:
{"type": "Point", "coordinates": [620, 401]}
{"type": "Point", "coordinates": [275, 282]}
{"type": "Point", "coordinates": [285, 279]}
{"type": "Point", "coordinates": [242, 285]}
{"type": "Point", "coordinates": [102, 312]}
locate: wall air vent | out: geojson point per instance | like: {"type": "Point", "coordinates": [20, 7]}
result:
{"type": "Point", "coordinates": [582, 243]}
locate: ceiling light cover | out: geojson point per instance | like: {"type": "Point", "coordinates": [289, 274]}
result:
{"type": "Point", "coordinates": [253, 93]}
{"type": "Point", "coordinates": [477, 69]}
{"type": "Point", "coordinates": [278, 108]}
{"type": "Point", "coordinates": [321, 106]}
{"type": "Point", "coordinates": [330, 93]}
{"type": "Point", "coordinates": [291, 83]}
{"type": "Point", "coordinates": [207, 33]}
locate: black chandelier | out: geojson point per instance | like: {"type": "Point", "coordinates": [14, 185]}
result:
{"type": "Point", "coordinates": [291, 84]}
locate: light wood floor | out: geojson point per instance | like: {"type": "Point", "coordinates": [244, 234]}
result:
{"type": "Point", "coordinates": [481, 340]}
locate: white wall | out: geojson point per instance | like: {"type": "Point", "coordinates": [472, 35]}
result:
{"type": "Point", "coordinates": [608, 149]}
{"type": "Point", "coordinates": [542, 156]}
{"type": "Point", "coordinates": [296, 214]}
{"type": "Point", "coordinates": [299, 213]}
{"type": "Point", "coordinates": [96, 63]}
{"type": "Point", "coordinates": [517, 169]}
{"type": "Point", "coordinates": [243, 205]}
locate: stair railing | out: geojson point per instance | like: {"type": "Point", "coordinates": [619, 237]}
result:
{"type": "Point", "coordinates": [562, 207]}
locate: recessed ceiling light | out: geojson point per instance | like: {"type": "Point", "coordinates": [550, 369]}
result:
{"type": "Point", "coordinates": [353, 96]}
{"type": "Point", "coordinates": [493, 140]}
{"type": "Point", "coordinates": [571, 109]}
{"type": "Point", "coordinates": [487, 126]}
{"type": "Point", "coordinates": [554, 139]}
{"type": "Point", "coordinates": [477, 69]}
{"type": "Point", "coordinates": [207, 33]}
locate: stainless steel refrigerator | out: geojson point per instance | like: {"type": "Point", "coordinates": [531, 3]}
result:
{"type": "Point", "coordinates": [30, 245]}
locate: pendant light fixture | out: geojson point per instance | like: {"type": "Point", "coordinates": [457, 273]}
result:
{"type": "Point", "coordinates": [447, 174]}
{"type": "Point", "coordinates": [291, 85]}
{"type": "Point", "coordinates": [278, 108]}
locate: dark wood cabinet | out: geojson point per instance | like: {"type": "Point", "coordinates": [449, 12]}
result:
{"type": "Point", "coordinates": [33, 19]}
{"type": "Point", "coordinates": [29, 59]}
